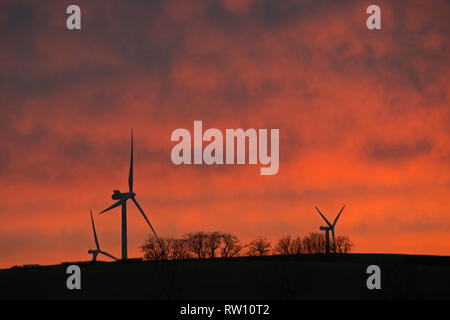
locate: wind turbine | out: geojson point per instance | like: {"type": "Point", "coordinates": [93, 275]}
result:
{"type": "Point", "coordinates": [122, 201]}
{"type": "Point", "coordinates": [328, 228]}
{"type": "Point", "coordinates": [98, 250]}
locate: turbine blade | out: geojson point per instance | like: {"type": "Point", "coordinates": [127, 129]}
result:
{"type": "Point", "coordinates": [118, 203]}
{"type": "Point", "coordinates": [145, 217]}
{"type": "Point", "coordinates": [335, 220]}
{"type": "Point", "coordinates": [108, 255]}
{"type": "Point", "coordinates": [95, 233]}
{"type": "Point", "coordinates": [328, 222]}
{"type": "Point", "coordinates": [130, 176]}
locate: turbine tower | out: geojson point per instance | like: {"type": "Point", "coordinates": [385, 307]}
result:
{"type": "Point", "coordinates": [328, 228]}
{"type": "Point", "coordinates": [98, 250]}
{"type": "Point", "coordinates": [122, 199]}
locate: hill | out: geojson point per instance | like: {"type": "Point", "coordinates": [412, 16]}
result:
{"type": "Point", "coordinates": [270, 277]}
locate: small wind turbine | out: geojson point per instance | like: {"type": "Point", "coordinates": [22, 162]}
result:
{"type": "Point", "coordinates": [328, 228]}
{"type": "Point", "coordinates": [97, 251]}
{"type": "Point", "coordinates": [122, 200]}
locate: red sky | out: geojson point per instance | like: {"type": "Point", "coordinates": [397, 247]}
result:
{"type": "Point", "coordinates": [363, 117]}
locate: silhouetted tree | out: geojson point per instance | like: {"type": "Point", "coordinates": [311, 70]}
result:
{"type": "Point", "coordinates": [319, 243]}
{"type": "Point", "coordinates": [307, 245]}
{"type": "Point", "coordinates": [314, 243]}
{"type": "Point", "coordinates": [259, 247]}
{"type": "Point", "coordinates": [196, 242]}
{"type": "Point", "coordinates": [179, 249]}
{"type": "Point", "coordinates": [343, 244]}
{"type": "Point", "coordinates": [154, 250]}
{"type": "Point", "coordinates": [296, 246]}
{"type": "Point", "coordinates": [212, 243]}
{"type": "Point", "coordinates": [230, 245]}
{"type": "Point", "coordinates": [287, 246]}
{"type": "Point", "coordinates": [283, 246]}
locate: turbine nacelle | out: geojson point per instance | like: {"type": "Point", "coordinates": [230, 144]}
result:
{"type": "Point", "coordinates": [117, 195]}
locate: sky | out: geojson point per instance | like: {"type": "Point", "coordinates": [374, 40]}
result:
{"type": "Point", "coordinates": [363, 117]}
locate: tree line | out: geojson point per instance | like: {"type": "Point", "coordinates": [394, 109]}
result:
{"type": "Point", "coordinates": [217, 244]}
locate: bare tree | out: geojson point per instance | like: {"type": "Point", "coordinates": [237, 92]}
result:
{"type": "Point", "coordinates": [283, 246]}
{"type": "Point", "coordinates": [314, 243]}
{"type": "Point", "coordinates": [295, 246]}
{"type": "Point", "coordinates": [230, 245]}
{"type": "Point", "coordinates": [154, 250]}
{"type": "Point", "coordinates": [196, 242]}
{"type": "Point", "coordinates": [343, 244]}
{"type": "Point", "coordinates": [307, 245]}
{"type": "Point", "coordinates": [259, 247]}
{"type": "Point", "coordinates": [212, 243]}
{"type": "Point", "coordinates": [179, 249]}
{"type": "Point", "coordinates": [288, 246]}
{"type": "Point", "coordinates": [319, 243]}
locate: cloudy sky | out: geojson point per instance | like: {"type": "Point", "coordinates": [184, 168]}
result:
{"type": "Point", "coordinates": [364, 120]}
